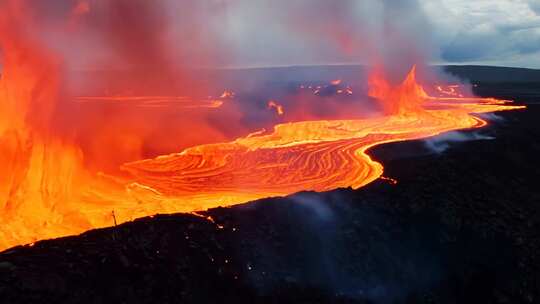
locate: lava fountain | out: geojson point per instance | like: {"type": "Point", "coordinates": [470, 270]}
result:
{"type": "Point", "coordinates": [47, 190]}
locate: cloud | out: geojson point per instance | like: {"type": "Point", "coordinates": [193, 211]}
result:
{"type": "Point", "coordinates": [535, 6]}
{"type": "Point", "coordinates": [270, 32]}
{"type": "Point", "coordinates": [503, 32]}
{"type": "Point", "coordinates": [496, 31]}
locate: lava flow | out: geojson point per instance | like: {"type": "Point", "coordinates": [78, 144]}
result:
{"type": "Point", "coordinates": [305, 155]}
{"type": "Point", "coordinates": [47, 189]}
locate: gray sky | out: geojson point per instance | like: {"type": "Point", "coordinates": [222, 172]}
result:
{"type": "Point", "coordinates": [300, 32]}
{"type": "Point", "coordinates": [494, 32]}
{"type": "Point", "coordinates": [501, 32]}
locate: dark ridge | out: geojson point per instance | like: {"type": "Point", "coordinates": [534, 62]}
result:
{"type": "Point", "coordinates": [492, 74]}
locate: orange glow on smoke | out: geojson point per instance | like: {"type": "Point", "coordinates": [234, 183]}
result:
{"type": "Point", "coordinates": [50, 186]}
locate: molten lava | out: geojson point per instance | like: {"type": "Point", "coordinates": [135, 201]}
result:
{"type": "Point", "coordinates": [157, 101]}
{"type": "Point", "coordinates": [46, 193]}
{"type": "Point", "coordinates": [274, 105]}
{"type": "Point", "coordinates": [48, 189]}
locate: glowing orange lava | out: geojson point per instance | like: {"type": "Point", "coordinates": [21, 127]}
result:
{"type": "Point", "coordinates": [47, 190]}
{"type": "Point", "coordinates": [157, 101]}
{"type": "Point", "coordinates": [307, 155]}
{"type": "Point", "coordinates": [274, 105]}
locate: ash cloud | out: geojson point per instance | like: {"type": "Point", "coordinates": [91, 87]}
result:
{"type": "Point", "coordinates": [125, 47]}
{"type": "Point", "coordinates": [313, 32]}
{"type": "Point", "coordinates": [168, 35]}
{"type": "Point", "coordinates": [112, 34]}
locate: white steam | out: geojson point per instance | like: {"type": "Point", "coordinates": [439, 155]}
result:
{"type": "Point", "coordinates": [442, 142]}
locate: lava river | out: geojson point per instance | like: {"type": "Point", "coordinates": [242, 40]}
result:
{"type": "Point", "coordinates": [309, 155]}
{"type": "Point", "coordinates": [305, 155]}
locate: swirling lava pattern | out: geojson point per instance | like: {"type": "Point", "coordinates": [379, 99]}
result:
{"type": "Point", "coordinates": [313, 155]}
{"type": "Point", "coordinates": [308, 155]}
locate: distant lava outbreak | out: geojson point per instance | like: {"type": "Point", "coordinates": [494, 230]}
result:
{"type": "Point", "coordinates": [49, 187]}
